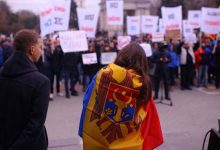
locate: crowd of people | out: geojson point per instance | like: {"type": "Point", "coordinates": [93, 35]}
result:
{"type": "Point", "coordinates": [195, 64]}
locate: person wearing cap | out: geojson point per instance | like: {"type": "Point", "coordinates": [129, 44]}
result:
{"type": "Point", "coordinates": [161, 58]}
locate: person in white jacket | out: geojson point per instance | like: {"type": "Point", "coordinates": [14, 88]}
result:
{"type": "Point", "coordinates": [187, 61]}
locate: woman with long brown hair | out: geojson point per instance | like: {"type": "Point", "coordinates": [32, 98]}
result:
{"type": "Point", "coordinates": [118, 111]}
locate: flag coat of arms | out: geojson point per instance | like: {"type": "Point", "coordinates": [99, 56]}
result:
{"type": "Point", "coordinates": [110, 119]}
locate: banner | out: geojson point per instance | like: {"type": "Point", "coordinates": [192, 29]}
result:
{"type": "Point", "coordinates": [73, 41]}
{"type": "Point", "coordinates": [147, 49]}
{"type": "Point", "coordinates": [123, 41]}
{"type": "Point", "coordinates": [172, 17]}
{"type": "Point", "coordinates": [89, 58]}
{"type": "Point", "coordinates": [210, 20]}
{"type": "Point", "coordinates": [187, 28]}
{"type": "Point", "coordinates": [157, 37]}
{"type": "Point", "coordinates": [194, 17]}
{"type": "Point", "coordinates": [61, 14]}
{"type": "Point", "coordinates": [133, 25]}
{"type": "Point", "coordinates": [108, 57]}
{"type": "Point", "coordinates": [115, 9]}
{"type": "Point", "coordinates": [149, 24]}
{"type": "Point", "coordinates": [46, 19]}
{"type": "Point", "coordinates": [87, 20]}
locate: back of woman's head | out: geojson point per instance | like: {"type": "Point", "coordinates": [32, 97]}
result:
{"type": "Point", "coordinates": [133, 57]}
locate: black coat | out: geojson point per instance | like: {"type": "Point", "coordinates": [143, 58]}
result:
{"type": "Point", "coordinates": [24, 98]}
{"type": "Point", "coordinates": [56, 61]}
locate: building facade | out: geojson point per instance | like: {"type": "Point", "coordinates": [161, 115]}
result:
{"type": "Point", "coordinates": [131, 8]}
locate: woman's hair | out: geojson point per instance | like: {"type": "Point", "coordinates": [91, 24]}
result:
{"type": "Point", "coordinates": [24, 39]}
{"type": "Point", "coordinates": [133, 57]}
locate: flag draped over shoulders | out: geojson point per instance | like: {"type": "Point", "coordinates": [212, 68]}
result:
{"type": "Point", "coordinates": [110, 119]}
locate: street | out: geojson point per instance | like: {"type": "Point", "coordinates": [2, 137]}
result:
{"type": "Point", "coordinates": [184, 124]}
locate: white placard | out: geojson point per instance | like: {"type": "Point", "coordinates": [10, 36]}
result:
{"type": "Point", "coordinates": [194, 18]}
{"type": "Point", "coordinates": [87, 20]}
{"type": "Point", "coordinates": [133, 25]}
{"type": "Point", "coordinates": [149, 24]}
{"type": "Point", "coordinates": [187, 28]}
{"type": "Point", "coordinates": [172, 17]}
{"type": "Point", "coordinates": [108, 57]}
{"type": "Point", "coordinates": [210, 20]}
{"type": "Point", "coordinates": [190, 38]}
{"type": "Point", "coordinates": [90, 58]}
{"type": "Point", "coordinates": [161, 26]}
{"type": "Point", "coordinates": [61, 14]}
{"type": "Point", "coordinates": [147, 49]}
{"type": "Point", "coordinates": [46, 19]}
{"type": "Point", "coordinates": [157, 37]}
{"type": "Point", "coordinates": [115, 12]}
{"type": "Point", "coordinates": [123, 41]}
{"type": "Point", "coordinates": [73, 41]}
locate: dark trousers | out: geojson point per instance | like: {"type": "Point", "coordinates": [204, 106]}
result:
{"type": "Point", "coordinates": [68, 80]}
{"type": "Point", "coordinates": [217, 77]}
{"type": "Point", "coordinates": [158, 78]}
{"type": "Point", "coordinates": [186, 76]}
{"type": "Point", "coordinates": [57, 74]}
{"type": "Point", "coordinates": [172, 75]}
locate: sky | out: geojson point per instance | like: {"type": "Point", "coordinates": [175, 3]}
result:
{"type": "Point", "coordinates": [34, 5]}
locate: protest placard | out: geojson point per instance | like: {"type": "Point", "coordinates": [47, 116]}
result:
{"type": "Point", "coordinates": [157, 37]}
{"type": "Point", "coordinates": [123, 41]}
{"type": "Point", "coordinates": [194, 18]}
{"type": "Point", "coordinates": [133, 25]}
{"type": "Point", "coordinates": [175, 35]}
{"type": "Point", "coordinates": [149, 24]}
{"type": "Point", "coordinates": [73, 41]}
{"type": "Point", "coordinates": [172, 17]}
{"type": "Point", "coordinates": [108, 57]}
{"type": "Point", "coordinates": [147, 49]}
{"type": "Point", "coordinates": [210, 20]}
{"type": "Point", "coordinates": [87, 20]}
{"type": "Point", "coordinates": [89, 58]}
{"type": "Point", "coordinates": [115, 12]}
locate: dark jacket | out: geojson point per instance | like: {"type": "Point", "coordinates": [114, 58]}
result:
{"type": "Point", "coordinates": [91, 69]}
{"type": "Point", "coordinates": [161, 65]}
{"type": "Point", "coordinates": [24, 97]}
{"type": "Point", "coordinates": [217, 57]}
{"type": "Point", "coordinates": [70, 61]}
{"type": "Point", "coordinates": [56, 61]}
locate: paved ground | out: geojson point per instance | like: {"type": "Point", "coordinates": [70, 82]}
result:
{"type": "Point", "coordinates": [184, 124]}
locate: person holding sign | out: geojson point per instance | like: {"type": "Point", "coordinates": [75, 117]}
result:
{"type": "Point", "coordinates": [161, 58]}
{"type": "Point", "coordinates": [90, 67]}
{"type": "Point", "coordinates": [118, 109]}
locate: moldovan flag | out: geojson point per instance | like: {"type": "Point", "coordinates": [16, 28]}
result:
{"type": "Point", "coordinates": [108, 119]}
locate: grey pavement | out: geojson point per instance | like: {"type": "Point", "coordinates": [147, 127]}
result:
{"type": "Point", "coordinates": [184, 124]}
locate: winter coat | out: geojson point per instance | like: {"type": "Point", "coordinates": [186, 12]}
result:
{"type": "Point", "coordinates": [24, 97]}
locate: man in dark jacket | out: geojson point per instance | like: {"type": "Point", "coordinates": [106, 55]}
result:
{"type": "Point", "coordinates": [161, 58]}
{"type": "Point", "coordinates": [24, 96]}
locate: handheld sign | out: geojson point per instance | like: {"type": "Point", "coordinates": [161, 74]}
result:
{"type": "Point", "coordinates": [90, 58]}
{"type": "Point", "coordinates": [123, 41]}
{"type": "Point", "coordinates": [108, 57]}
{"type": "Point", "coordinates": [73, 41]}
{"type": "Point", "coordinates": [147, 49]}
{"type": "Point", "coordinates": [157, 37]}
